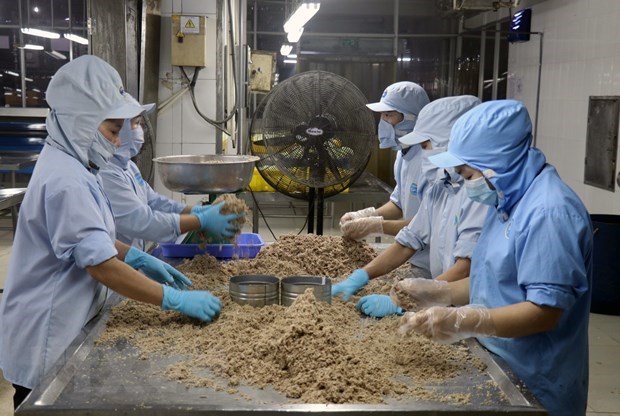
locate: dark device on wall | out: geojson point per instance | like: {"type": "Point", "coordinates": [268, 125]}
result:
{"type": "Point", "coordinates": [520, 26]}
{"type": "Point", "coordinates": [314, 136]}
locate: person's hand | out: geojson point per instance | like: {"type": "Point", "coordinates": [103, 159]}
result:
{"type": "Point", "coordinates": [196, 303]}
{"type": "Point", "coordinates": [216, 224]}
{"type": "Point", "coordinates": [378, 306]}
{"type": "Point", "coordinates": [449, 325]}
{"type": "Point", "coordinates": [354, 215]}
{"type": "Point", "coordinates": [418, 293]}
{"type": "Point", "coordinates": [156, 269]}
{"type": "Point", "coordinates": [362, 227]}
{"type": "Point", "coordinates": [357, 280]}
{"type": "Point", "coordinates": [199, 208]}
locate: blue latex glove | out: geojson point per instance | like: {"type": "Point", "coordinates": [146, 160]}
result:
{"type": "Point", "coordinates": [196, 303]}
{"type": "Point", "coordinates": [378, 306]}
{"type": "Point", "coordinates": [199, 208]}
{"type": "Point", "coordinates": [351, 284]}
{"type": "Point", "coordinates": [217, 225]}
{"type": "Point", "coordinates": [156, 269]}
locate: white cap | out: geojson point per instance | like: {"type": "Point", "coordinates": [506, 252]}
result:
{"type": "Point", "coordinates": [405, 97]}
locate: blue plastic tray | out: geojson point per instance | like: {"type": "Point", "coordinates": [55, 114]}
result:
{"type": "Point", "coordinates": [247, 247]}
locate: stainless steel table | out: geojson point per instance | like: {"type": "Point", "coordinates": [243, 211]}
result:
{"type": "Point", "coordinates": [91, 379]}
{"type": "Point", "coordinates": [10, 198]}
{"type": "Point", "coordinates": [368, 189]}
{"type": "Point", "coordinates": [15, 160]}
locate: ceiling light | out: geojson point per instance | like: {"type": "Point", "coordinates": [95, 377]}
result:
{"type": "Point", "coordinates": [294, 36]}
{"type": "Point", "coordinates": [36, 9]}
{"type": "Point", "coordinates": [302, 15]}
{"type": "Point", "coordinates": [76, 38]}
{"type": "Point", "coordinates": [56, 54]}
{"type": "Point", "coordinates": [15, 74]}
{"type": "Point", "coordinates": [286, 49]}
{"type": "Point", "coordinates": [31, 47]}
{"type": "Point", "coordinates": [290, 61]}
{"type": "Point", "coordinates": [39, 32]}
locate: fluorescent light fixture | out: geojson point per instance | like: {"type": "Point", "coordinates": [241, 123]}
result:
{"type": "Point", "coordinates": [56, 54]}
{"type": "Point", "coordinates": [294, 36]}
{"type": "Point", "coordinates": [302, 15]}
{"type": "Point", "coordinates": [286, 49]}
{"type": "Point", "coordinates": [76, 38]}
{"type": "Point", "coordinates": [32, 47]}
{"type": "Point", "coordinates": [292, 56]}
{"type": "Point", "coordinates": [36, 9]}
{"type": "Point", "coordinates": [28, 79]}
{"type": "Point", "coordinates": [290, 61]}
{"type": "Point", "coordinates": [39, 32]}
{"type": "Point", "coordinates": [15, 74]}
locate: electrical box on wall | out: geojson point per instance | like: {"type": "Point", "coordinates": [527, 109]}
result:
{"type": "Point", "coordinates": [189, 40]}
{"type": "Point", "coordinates": [262, 71]}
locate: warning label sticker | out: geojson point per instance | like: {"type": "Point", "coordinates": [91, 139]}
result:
{"type": "Point", "coordinates": [190, 24]}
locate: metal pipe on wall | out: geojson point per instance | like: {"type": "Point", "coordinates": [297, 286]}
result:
{"type": "Point", "coordinates": [22, 54]}
{"type": "Point", "coordinates": [242, 77]}
{"type": "Point", "coordinates": [483, 45]}
{"type": "Point", "coordinates": [496, 61]}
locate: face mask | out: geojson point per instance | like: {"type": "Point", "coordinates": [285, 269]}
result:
{"type": "Point", "coordinates": [101, 151]}
{"type": "Point", "coordinates": [135, 141]}
{"type": "Point", "coordinates": [430, 172]}
{"type": "Point", "coordinates": [388, 134]}
{"type": "Point", "coordinates": [479, 190]}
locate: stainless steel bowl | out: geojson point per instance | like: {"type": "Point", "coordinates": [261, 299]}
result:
{"type": "Point", "coordinates": [205, 174]}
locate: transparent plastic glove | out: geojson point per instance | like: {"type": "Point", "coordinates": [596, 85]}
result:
{"type": "Point", "coordinates": [358, 279]}
{"type": "Point", "coordinates": [362, 227]}
{"type": "Point", "coordinates": [156, 269]}
{"type": "Point", "coordinates": [449, 325]}
{"type": "Point", "coordinates": [421, 292]}
{"type": "Point", "coordinates": [354, 215]}
{"type": "Point", "coordinates": [216, 224]}
{"type": "Point", "coordinates": [197, 304]}
{"type": "Point", "coordinates": [378, 306]}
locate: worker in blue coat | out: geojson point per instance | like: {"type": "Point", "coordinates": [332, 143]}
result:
{"type": "Point", "coordinates": [447, 224]}
{"type": "Point", "coordinates": [529, 293]}
{"type": "Point", "coordinates": [65, 256]}
{"type": "Point", "coordinates": [400, 105]}
{"type": "Point", "coordinates": [140, 213]}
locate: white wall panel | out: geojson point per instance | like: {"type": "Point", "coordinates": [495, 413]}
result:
{"type": "Point", "coordinates": [581, 58]}
{"type": "Point", "coordinates": [180, 129]}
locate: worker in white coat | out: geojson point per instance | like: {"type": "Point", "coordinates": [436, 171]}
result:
{"type": "Point", "coordinates": [528, 297]}
{"type": "Point", "coordinates": [399, 106]}
{"type": "Point", "coordinates": [65, 256]}
{"type": "Point", "coordinates": [141, 213]}
{"type": "Point", "coordinates": [447, 224]}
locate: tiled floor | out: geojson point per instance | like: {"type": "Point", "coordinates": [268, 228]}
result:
{"type": "Point", "coordinates": [604, 395]}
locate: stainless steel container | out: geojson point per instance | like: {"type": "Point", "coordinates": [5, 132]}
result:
{"type": "Point", "coordinates": [256, 290]}
{"type": "Point", "coordinates": [205, 174]}
{"type": "Point", "coordinates": [293, 286]}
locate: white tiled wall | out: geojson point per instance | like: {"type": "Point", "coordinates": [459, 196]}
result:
{"type": "Point", "coordinates": [581, 57]}
{"type": "Point", "coordinates": [180, 130]}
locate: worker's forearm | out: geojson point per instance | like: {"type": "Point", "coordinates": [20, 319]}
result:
{"type": "Point", "coordinates": [523, 319]}
{"type": "Point", "coordinates": [389, 211]}
{"type": "Point", "coordinates": [392, 227]}
{"type": "Point", "coordinates": [390, 259]}
{"type": "Point", "coordinates": [188, 223]}
{"type": "Point", "coordinates": [458, 271]}
{"type": "Point", "coordinates": [459, 292]}
{"type": "Point", "coordinates": [122, 249]}
{"type": "Point", "coordinates": [126, 281]}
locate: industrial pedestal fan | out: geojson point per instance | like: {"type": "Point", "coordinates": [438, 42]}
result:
{"type": "Point", "coordinates": [314, 136]}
